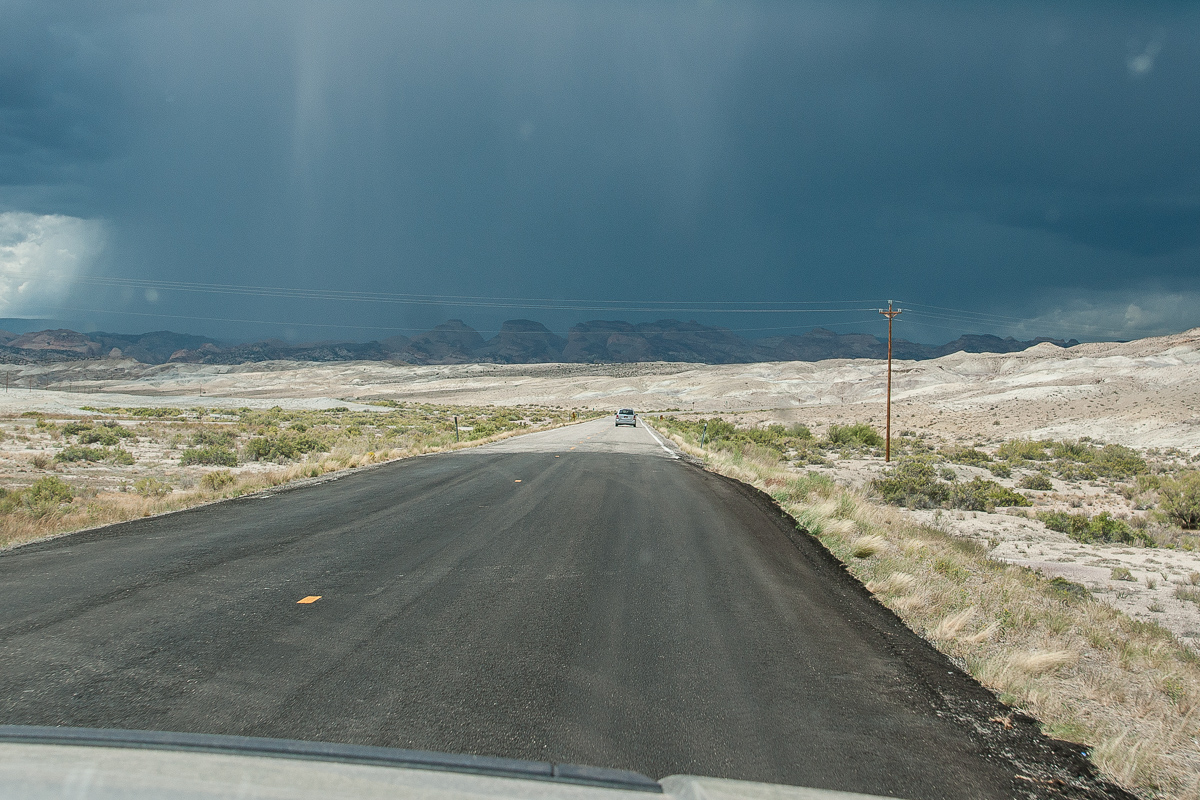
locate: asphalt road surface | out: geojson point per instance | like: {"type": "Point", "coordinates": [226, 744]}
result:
{"type": "Point", "coordinates": [579, 595]}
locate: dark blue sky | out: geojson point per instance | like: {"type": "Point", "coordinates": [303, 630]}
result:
{"type": "Point", "coordinates": [1033, 161]}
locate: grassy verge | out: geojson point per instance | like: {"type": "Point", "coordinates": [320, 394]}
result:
{"type": "Point", "coordinates": [200, 456]}
{"type": "Point", "coordinates": [1127, 689]}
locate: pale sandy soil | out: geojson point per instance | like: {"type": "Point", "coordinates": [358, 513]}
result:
{"type": "Point", "coordinates": [1143, 394]}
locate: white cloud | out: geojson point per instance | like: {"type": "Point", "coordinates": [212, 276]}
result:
{"type": "Point", "coordinates": [1140, 64]}
{"type": "Point", "coordinates": [1117, 315]}
{"type": "Point", "coordinates": [40, 256]}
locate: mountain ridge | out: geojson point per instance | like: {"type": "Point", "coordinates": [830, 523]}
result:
{"type": "Point", "coordinates": [519, 341]}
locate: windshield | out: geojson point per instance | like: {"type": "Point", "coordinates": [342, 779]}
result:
{"type": "Point", "coordinates": [312, 317]}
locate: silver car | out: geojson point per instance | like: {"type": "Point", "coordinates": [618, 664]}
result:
{"type": "Point", "coordinates": [626, 417]}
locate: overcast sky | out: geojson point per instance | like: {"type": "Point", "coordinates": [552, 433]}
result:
{"type": "Point", "coordinates": [1033, 161]}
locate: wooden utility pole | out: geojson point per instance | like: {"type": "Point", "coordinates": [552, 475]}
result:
{"type": "Point", "coordinates": [887, 446]}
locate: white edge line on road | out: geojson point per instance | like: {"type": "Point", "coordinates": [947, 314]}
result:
{"type": "Point", "coordinates": [666, 449]}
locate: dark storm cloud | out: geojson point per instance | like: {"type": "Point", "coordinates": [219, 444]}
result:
{"type": "Point", "coordinates": [975, 155]}
{"type": "Point", "coordinates": [58, 97]}
{"type": "Point", "coordinates": [1140, 227]}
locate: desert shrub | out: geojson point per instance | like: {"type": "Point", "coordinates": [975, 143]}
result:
{"type": "Point", "coordinates": [1018, 450]}
{"type": "Point", "coordinates": [45, 496]}
{"type": "Point", "coordinates": [9, 500]}
{"type": "Point", "coordinates": [807, 452]}
{"type": "Point", "coordinates": [1081, 460]}
{"type": "Point", "coordinates": [151, 487]}
{"type": "Point", "coordinates": [716, 429]}
{"type": "Point", "coordinates": [1038, 481]}
{"type": "Point", "coordinates": [101, 435]}
{"type": "Point", "coordinates": [1000, 470]}
{"type": "Point", "coordinates": [1189, 593]}
{"type": "Point", "coordinates": [482, 430]}
{"type": "Point", "coordinates": [152, 413]}
{"type": "Point", "coordinates": [282, 446]}
{"type": "Point", "coordinates": [73, 428]}
{"type": "Point", "coordinates": [213, 455]}
{"type": "Point", "coordinates": [860, 434]}
{"type": "Point", "coordinates": [76, 452]}
{"type": "Point", "coordinates": [1121, 574]}
{"type": "Point", "coordinates": [1101, 528]}
{"type": "Point", "coordinates": [966, 455]}
{"type": "Point", "coordinates": [1075, 471]}
{"type": "Point", "coordinates": [980, 495]}
{"type": "Point", "coordinates": [1068, 590]}
{"type": "Point", "coordinates": [1179, 500]}
{"type": "Point", "coordinates": [217, 480]}
{"type": "Point", "coordinates": [800, 431]}
{"type": "Point", "coordinates": [775, 437]}
{"type": "Point", "coordinates": [226, 439]}
{"type": "Point", "coordinates": [719, 434]}
{"type": "Point", "coordinates": [1117, 461]}
{"type": "Point", "coordinates": [913, 482]}
{"type": "Point", "coordinates": [1068, 450]}
{"type": "Point", "coordinates": [1147, 482]}
{"type": "Point", "coordinates": [1073, 525]}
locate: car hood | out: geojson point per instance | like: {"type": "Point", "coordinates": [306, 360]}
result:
{"type": "Point", "coordinates": [88, 764]}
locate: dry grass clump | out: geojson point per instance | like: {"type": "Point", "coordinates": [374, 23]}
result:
{"type": "Point", "coordinates": [1036, 662]}
{"type": "Point", "coordinates": [951, 626]}
{"type": "Point", "coordinates": [1092, 674]}
{"type": "Point", "coordinates": [896, 583]}
{"type": "Point", "coordinates": [867, 546]}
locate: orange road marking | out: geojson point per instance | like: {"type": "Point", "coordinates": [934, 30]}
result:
{"type": "Point", "coordinates": [518, 480]}
{"type": "Point", "coordinates": [312, 598]}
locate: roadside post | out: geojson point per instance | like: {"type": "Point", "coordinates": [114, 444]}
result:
{"type": "Point", "coordinates": [456, 427]}
{"type": "Point", "coordinates": [704, 435]}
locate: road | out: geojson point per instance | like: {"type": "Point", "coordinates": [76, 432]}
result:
{"type": "Point", "coordinates": [578, 595]}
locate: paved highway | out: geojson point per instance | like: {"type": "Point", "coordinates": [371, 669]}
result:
{"type": "Point", "coordinates": [578, 595]}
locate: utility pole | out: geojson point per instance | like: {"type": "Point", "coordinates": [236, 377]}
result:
{"type": "Point", "coordinates": [887, 447]}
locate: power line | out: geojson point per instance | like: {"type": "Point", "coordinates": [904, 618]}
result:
{"type": "Point", "coordinates": [481, 301]}
{"type": "Point", "coordinates": [288, 323]}
{"type": "Point", "coordinates": [1041, 324]}
{"type": "Point", "coordinates": [923, 311]}
{"type": "Point", "coordinates": [248, 321]}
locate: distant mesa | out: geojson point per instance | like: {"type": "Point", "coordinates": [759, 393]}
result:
{"type": "Point", "coordinates": [452, 342]}
{"type": "Point", "coordinates": [519, 341]}
{"type": "Point", "coordinates": [522, 341]}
